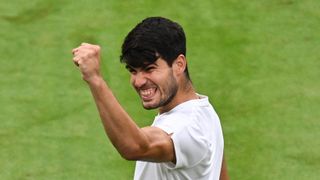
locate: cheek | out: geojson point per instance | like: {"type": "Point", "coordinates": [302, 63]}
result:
{"type": "Point", "coordinates": [158, 80]}
{"type": "Point", "coordinates": [164, 80]}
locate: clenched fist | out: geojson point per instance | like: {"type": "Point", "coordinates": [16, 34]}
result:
{"type": "Point", "coordinates": [87, 58]}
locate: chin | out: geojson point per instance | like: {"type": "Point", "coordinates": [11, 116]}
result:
{"type": "Point", "coordinates": [149, 106]}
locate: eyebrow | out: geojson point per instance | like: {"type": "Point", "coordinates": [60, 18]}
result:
{"type": "Point", "coordinates": [143, 67]}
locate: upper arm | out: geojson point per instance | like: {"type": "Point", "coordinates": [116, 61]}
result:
{"type": "Point", "coordinates": [159, 147]}
{"type": "Point", "coordinates": [184, 148]}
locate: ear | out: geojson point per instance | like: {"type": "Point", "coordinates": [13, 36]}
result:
{"type": "Point", "coordinates": [179, 65]}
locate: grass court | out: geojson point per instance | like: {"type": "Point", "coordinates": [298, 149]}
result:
{"type": "Point", "coordinates": [258, 61]}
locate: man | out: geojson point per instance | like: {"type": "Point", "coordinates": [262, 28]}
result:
{"type": "Point", "coordinates": [185, 140]}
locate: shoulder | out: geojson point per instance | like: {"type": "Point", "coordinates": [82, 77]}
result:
{"type": "Point", "coordinates": [172, 122]}
{"type": "Point", "coordinates": [189, 113]}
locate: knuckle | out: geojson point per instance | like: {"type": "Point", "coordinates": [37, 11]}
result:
{"type": "Point", "coordinates": [97, 49]}
{"type": "Point", "coordinates": [86, 50]}
{"type": "Point", "coordinates": [93, 51]}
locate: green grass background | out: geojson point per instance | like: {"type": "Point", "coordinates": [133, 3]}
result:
{"type": "Point", "coordinates": [258, 61]}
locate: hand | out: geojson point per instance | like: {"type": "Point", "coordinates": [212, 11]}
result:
{"type": "Point", "coordinates": [87, 58]}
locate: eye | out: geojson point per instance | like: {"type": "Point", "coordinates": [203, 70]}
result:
{"type": "Point", "coordinates": [131, 70]}
{"type": "Point", "coordinates": [149, 68]}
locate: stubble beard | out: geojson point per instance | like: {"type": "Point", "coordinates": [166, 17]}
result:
{"type": "Point", "coordinates": [167, 94]}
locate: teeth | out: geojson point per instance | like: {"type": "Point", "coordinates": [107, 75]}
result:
{"type": "Point", "coordinates": [146, 92]}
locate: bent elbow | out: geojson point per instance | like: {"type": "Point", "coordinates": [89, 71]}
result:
{"type": "Point", "coordinates": [128, 156]}
{"type": "Point", "coordinates": [132, 153]}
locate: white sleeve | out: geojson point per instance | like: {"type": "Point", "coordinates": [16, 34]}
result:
{"type": "Point", "coordinates": [190, 147]}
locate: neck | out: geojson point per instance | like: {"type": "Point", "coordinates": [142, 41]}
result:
{"type": "Point", "coordinates": [185, 93]}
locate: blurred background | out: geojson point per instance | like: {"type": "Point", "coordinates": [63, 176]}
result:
{"type": "Point", "coordinates": [258, 61]}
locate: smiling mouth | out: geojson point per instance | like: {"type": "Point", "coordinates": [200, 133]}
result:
{"type": "Point", "coordinates": [147, 94]}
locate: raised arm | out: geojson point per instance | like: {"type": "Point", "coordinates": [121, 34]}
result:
{"type": "Point", "coordinates": [132, 142]}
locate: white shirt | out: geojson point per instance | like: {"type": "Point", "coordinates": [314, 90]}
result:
{"type": "Point", "coordinates": [198, 144]}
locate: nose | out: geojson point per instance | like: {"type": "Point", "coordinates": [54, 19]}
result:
{"type": "Point", "coordinates": [138, 79]}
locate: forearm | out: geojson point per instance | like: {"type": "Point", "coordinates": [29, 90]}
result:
{"type": "Point", "coordinates": [124, 134]}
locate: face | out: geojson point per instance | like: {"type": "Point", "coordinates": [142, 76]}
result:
{"type": "Point", "coordinates": [155, 84]}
